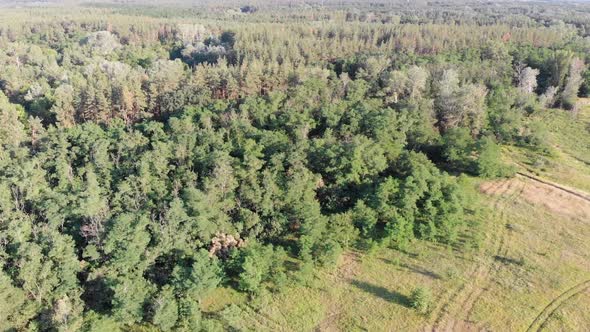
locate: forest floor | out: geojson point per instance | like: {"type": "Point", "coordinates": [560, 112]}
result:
{"type": "Point", "coordinates": [524, 262]}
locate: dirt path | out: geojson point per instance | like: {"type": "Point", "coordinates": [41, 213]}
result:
{"type": "Point", "coordinates": [556, 198]}
{"type": "Point", "coordinates": [556, 303]}
{"type": "Point", "coordinates": [577, 193]}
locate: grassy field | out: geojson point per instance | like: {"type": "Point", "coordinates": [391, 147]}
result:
{"type": "Point", "coordinates": [572, 315]}
{"type": "Point", "coordinates": [524, 264]}
{"type": "Point", "coordinates": [568, 139]}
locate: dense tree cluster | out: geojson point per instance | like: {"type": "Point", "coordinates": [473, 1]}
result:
{"type": "Point", "coordinates": [147, 160]}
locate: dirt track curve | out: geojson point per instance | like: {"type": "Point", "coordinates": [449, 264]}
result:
{"type": "Point", "coordinates": [556, 303]}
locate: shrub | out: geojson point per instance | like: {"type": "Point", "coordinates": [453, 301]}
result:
{"type": "Point", "coordinates": [421, 299]}
{"type": "Point", "coordinates": [536, 135]}
{"type": "Point", "coordinates": [327, 253]}
{"type": "Point", "coordinates": [457, 148]}
{"type": "Point", "coordinates": [252, 266]}
{"type": "Point", "coordinates": [489, 162]}
{"type": "Point", "coordinates": [342, 230]}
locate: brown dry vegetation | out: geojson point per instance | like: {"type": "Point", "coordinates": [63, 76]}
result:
{"type": "Point", "coordinates": [557, 199]}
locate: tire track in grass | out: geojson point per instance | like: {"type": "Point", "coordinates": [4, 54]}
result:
{"type": "Point", "coordinates": [467, 301]}
{"type": "Point", "coordinates": [483, 281]}
{"type": "Point", "coordinates": [467, 294]}
{"type": "Point", "coordinates": [542, 317]}
{"type": "Point", "coordinates": [503, 250]}
{"type": "Point", "coordinates": [508, 190]}
{"type": "Point", "coordinates": [577, 289]}
{"type": "Point", "coordinates": [442, 311]}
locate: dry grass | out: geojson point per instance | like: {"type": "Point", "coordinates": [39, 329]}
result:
{"type": "Point", "coordinates": [573, 315]}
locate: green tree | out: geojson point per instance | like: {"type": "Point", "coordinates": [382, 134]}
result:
{"type": "Point", "coordinates": [196, 280]}
{"type": "Point", "coordinates": [165, 308]}
{"type": "Point", "coordinates": [489, 161]}
{"type": "Point", "coordinates": [458, 147]}
{"type": "Point", "coordinates": [421, 299]}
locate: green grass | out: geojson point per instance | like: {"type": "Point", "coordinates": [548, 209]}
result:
{"type": "Point", "coordinates": [568, 160]}
{"type": "Point", "coordinates": [571, 316]}
{"type": "Point", "coordinates": [514, 274]}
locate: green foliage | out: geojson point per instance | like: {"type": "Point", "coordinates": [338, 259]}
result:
{"type": "Point", "coordinates": [364, 218]}
{"type": "Point", "coordinates": [253, 266]}
{"type": "Point", "coordinates": [126, 151]}
{"type": "Point", "coordinates": [195, 280]}
{"type": "Point", "coordinates": [458, 148]}
{"type": "Point", "coordinates": [130, 295]}
{"type": "Point", "coordinates": [536, 135]}
{"type": "Point", "coordinates": [328, 253]}
{"type": "Point", "coordinates": [428, 205]}
{"type": "Point", "coordinates": [504, 114]}
{"type": "Point", "coordinates": [252, 273]}
{"type": "Point", "coordinates": [421, 299]}
{"type": "Point", "coordinates": [341, 229]}
{"type": "Point", "coordinates": [165, 308]}
{"type": "Point", "coordinates": [13, 308]}
{"type": "Point", "coordinates": [94, 322]}
{"type": "Point", "coordinates": [489, 161]}
{"type": "Point", "coordinates": [482, 157]}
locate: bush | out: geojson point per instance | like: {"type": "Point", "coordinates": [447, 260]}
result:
{"type": "Point", "coordinates": [342, 230]}
{"type": "Point", "coordinates": [252, 266]}
{"type": "Point", "coordinates": [489, 162]}
{"type": "Point", "coordinates": [364, 218]}
{"type": "Point", "coordinates": [421, 299]}
{"type": "Point", "coordinates": [536, 135]}
{"type": "Point", "coordinates": [327, 253]}
{"type": "Point", "coordinates": [305, 274]}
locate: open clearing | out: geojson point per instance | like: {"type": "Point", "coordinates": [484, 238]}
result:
{"type": "Point", "coordinates": [533, 260]}
{"type": "Point", "coordinates": [555, 198]}
{"type": "Point", "coordinates": [570, 315]}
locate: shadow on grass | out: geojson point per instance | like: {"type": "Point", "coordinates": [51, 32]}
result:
{"type": "Point", "coordinates": [420, 270]}
{"type": "Point", "coordinates": [382, 292]}
{"type": "Point", "coordinates": [413, 268]}
{"type": "Point", "coordinates": [509, 260]}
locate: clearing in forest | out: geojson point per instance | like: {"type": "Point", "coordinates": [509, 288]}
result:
{"type": "Point", "coordinates": [532, 261]}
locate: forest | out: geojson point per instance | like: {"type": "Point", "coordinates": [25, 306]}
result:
{"type": "Point", "coordinates": [153, 153]}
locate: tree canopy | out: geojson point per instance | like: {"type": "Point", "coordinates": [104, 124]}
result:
{"type": "Point", "coordinates": [151, 154]}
